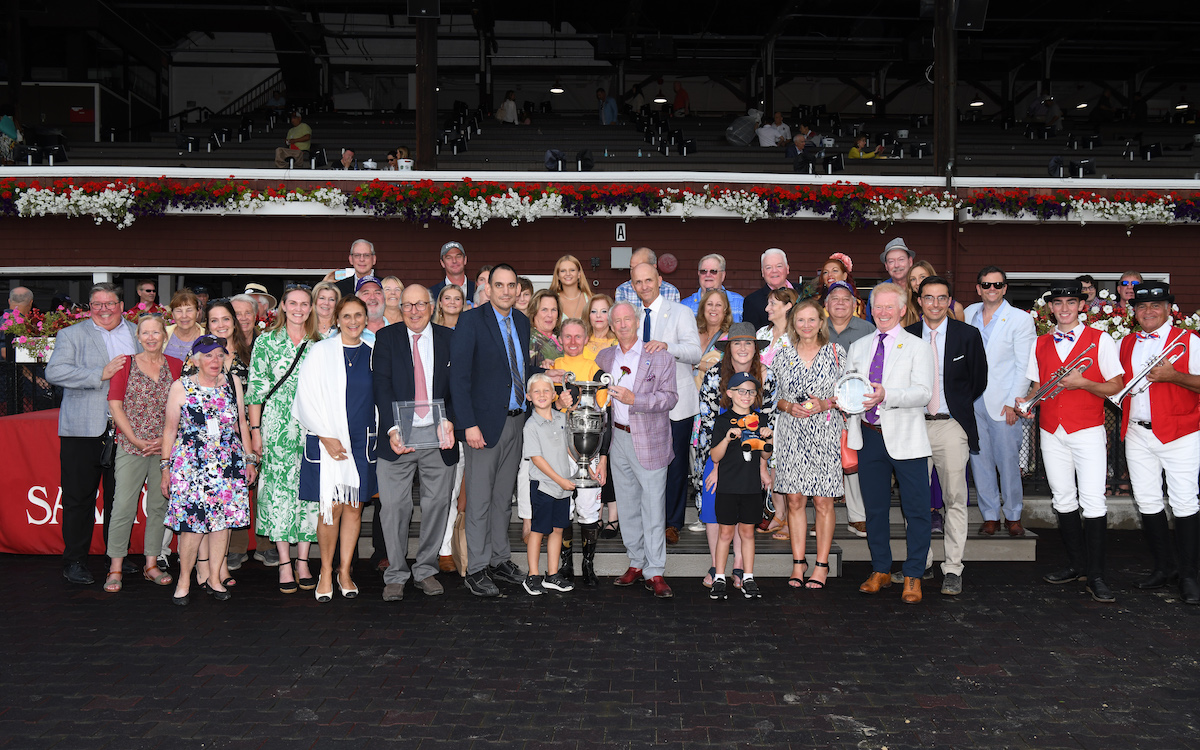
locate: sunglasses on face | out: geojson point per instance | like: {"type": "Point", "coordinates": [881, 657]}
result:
{"type": "Point", "coordinates": [1129, 282]}
{"type": "Point", "coordinates": [709, 271]}
{"type": "Point", "coordinates": [992, 284]}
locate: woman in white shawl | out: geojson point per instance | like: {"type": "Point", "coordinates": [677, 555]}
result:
{"type": "Point", "coordinates": [335, 404]}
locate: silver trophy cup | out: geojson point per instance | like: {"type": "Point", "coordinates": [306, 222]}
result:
{"type": "Point", "coordinates": [585, 426]}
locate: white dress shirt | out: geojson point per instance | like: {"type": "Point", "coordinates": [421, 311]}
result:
{"type": "Point", "coordinates": [941, 361]}
{"type": "Point", "coordinates": [1106, 356]}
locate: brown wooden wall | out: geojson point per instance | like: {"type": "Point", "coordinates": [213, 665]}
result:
{"type": "Point", "coordinates": [410, 251]}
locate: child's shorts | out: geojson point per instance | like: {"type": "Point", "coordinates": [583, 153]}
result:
{"type": "Point", "coordinates": [549, 513]}
{"type": "Point", "coordinates": [735, 509]}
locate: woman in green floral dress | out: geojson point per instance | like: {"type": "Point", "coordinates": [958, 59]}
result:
{"type": "Point", "coordinates": [276, 435]}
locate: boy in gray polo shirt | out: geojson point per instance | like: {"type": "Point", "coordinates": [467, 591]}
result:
{"type": "Point", "coordinates": [550, 492]}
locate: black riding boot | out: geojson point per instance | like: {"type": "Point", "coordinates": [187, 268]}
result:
{"type": "Point", "coordinates": [1071, 529]}
{"type": "Point", "coordinates": [590, 533]}
{"type": "Point", "coordinates": [1094, 532]}
{"type": "Point", "coordinates": [1158, 539]}
{"type": "Point", "coordinates": [1187, 538]}
{"type": "Point", "coordinates": [566, 564]}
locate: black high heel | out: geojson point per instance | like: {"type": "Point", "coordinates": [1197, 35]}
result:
{"type": "Point", "coordinates": [288, 587]}
{"type": "Point", "coordinates": [307, 583]}
{"type": "Point", "coordinates": [817, 585]}
{"type": "Point", "coordinates": [203, 584]}
{"type": "Point", "coordinates": [799, 580]}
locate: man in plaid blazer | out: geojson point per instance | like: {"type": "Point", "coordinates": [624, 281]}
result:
{"type": "Point", "coordinates": [642, 396]}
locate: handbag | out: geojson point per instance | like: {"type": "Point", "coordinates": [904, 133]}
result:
{"type": "Point", "coordinates": [458, 544]}
{"type": "Point", "coordinates": [849, 455]}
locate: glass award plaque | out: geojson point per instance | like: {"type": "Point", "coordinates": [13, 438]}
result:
{"type": "Point", "coordinates": [407, 412]}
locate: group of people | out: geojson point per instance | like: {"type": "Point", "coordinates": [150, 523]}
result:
{"type": "Point", "coordinates": [725, 401]}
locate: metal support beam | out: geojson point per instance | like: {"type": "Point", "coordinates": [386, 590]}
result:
{"type": "Point", "coordinates": [10, 19]}
{"type": "Point", "coordinates": [945, 64]}
{"type": "Point", "coordinates": [426, 104]}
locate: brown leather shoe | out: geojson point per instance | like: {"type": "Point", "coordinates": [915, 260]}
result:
{"type": "Point", "coordinates": [659, 586]}
{"type": "Point", "coordinates": [672, 535]}
{"type": "Point", "coordinates": [446, 563]}
{"type": "Point", "coordinates": [1015, 528]}
{"type": "Point", "coordinates": [989, 528]}
{"type": "Point", "coordinates": [876, 582]}
{"type": "Point", "coordinates": [912, 591]}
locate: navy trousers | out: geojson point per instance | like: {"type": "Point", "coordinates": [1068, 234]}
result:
{"type": "Point", "coordinates": [875, 469]}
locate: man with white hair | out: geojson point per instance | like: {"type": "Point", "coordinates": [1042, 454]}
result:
{"type": "Point", "coordinates": [898, 260]}
{"type": "Point", "coordinates": [625, 292]}
{"type": "Point", "coordinates": [370, 291]}
{"type": "Point", "coordinates": [362, 258]}
{"type": "Point", "coordinates": [775, 274]}
{"type": "Point", "coordinates": [712, 276]}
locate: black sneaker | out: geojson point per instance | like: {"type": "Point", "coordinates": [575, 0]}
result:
{"type": "Point", "coordinates": [508, 572]}
{"type": "Point", "coordinates": [556, 581]}
{"type": "Point", "coordinates": [480, 585]}
{"type": "Point", "coordinates": [533, 585]}
{"type": "Point", "coordinates": [750, 589]}
{"type": "Point", "coordinates": [718, 590]}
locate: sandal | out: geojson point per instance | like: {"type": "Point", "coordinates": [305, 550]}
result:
{"type": "Point", "coordinates": [782, 534]}
{"type": "Point", "coordinates": [610, 529]}
{"type": "Point", "coordinates": [813, 583]}
{"type": "Point", "coordinates": [738, 575]}
{"type": "Point", "coordinates": [799, 582]}
{"type": "Point", "coordinates": [772, 527]}
{"type": "Point", "coordinates": [288, 587]}
{"type": "Point", "coordinates": [112, 584]}
{"type": "Point", "coordinates": [153, 574]}
{"type": "Point", "coordinates": [307, 583]}
{"type": "Point", "coordinates": [708, 579]}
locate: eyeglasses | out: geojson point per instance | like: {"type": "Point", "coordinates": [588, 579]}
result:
{"type": "Point", "coordinates": [410, 306]}
{"type": "Point", "coordinates": [1129, 282]}
{"type": "Point", "coordinates": [104, 305]}
{"type": "Point", "coordinates": [362, 256]}
{"type": "Point", "coordinates": [709, 271]}
{"type": "Point", "coordinates": [941, 298]}
{"type": "Point", "coordinates": [992, 284]}
{"type": "Point", "coordinates": [745, 391]}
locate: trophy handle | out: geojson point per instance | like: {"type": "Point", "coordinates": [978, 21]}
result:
{"type": "Point", "coordinates": [605, 378]}
{"type": "Point", "coordinates": [569, 378]}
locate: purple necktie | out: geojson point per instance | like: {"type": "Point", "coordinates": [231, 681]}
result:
{"type": "Point", "coordinates": [876, 376]}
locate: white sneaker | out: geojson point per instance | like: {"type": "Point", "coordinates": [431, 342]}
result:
{"type": "Point", "coordinates": [697, 525]}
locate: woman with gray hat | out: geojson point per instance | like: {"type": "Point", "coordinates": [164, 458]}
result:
{"type": "Point", "coordinates": [740, 353]}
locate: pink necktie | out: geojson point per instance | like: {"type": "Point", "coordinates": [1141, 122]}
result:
{"type": "Point", "coordinates": [934, 402]}
{"type": "Point", "coordinates": [420, 394]}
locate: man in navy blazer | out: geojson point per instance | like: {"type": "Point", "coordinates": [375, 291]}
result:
{"type": "Point", "coordinates": [960, 367]}
{"type": "Point", "coordinates": [412, 363]}
{"type": "Point", "coordinates": [490, 352]}
{"type": "Point", "coordinates": [86, 356]}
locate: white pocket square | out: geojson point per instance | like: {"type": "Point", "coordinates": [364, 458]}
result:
{"type": "Point", "coordinates": [961, 356]}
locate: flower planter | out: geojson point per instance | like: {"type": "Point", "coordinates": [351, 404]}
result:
{"type": "Point", "coordinates": [21, 355]}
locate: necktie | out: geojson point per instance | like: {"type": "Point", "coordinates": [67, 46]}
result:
{"type": "Point", "coordinates": [1144, 336]}
{"type": "Point", "coordinates": [646, 326]}
{"type": "Point", "coordinates": [1068, 336]}
{"type": "Point", "coordinates": [935, 403]}
{"type": "Point", "coordinates": [518, 383]}
{"type": "Point", "coordinates": [875, 375]}
{"type": "Point", "coordinates": [420, 392]}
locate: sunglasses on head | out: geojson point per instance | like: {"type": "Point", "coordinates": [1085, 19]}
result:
{"type": "Point", "coordinates": [290, 287]}
{"type": "Point", "coordinates": [992, 284]}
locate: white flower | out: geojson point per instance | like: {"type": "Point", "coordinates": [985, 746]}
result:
{"type": "Point", "coordinates": [1107, 309]}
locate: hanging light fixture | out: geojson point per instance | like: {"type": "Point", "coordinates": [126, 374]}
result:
{"type": "Point", "coordinates": [1081, 105]}
{"type": "Point", "coordinates": [870, 102]}
{"type": "Point", "coordinates": [659, 98]}
{"type": "Point", "coordinates": [556, 88]}
{"type": "Point", "coordinates": [977, 101]}
{"type": "Point", "coordinates": [1183, 104]}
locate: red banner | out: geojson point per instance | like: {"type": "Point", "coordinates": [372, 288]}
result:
{"type": "Point", "coordinates": [31, 497]}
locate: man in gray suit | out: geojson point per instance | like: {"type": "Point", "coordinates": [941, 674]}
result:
{"type": "Point", "coordinates": [86, 355]}
{"type": "Point", "coordinates": [671, 327]}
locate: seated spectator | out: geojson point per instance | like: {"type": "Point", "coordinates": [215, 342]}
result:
{"type": "Point", "coordinates": [392, 166]}
{"type": "Point", "coordinates": [682, 106]}
{"type": "Point", "coordinates": [402, 152]}
{"type": "Point", "coordinates": [507, 111]}
{"type": "Point", "coordinates": [804, 149]}
{"type": "Point", "coordinates": [608, 108]}
{"type": "Point", "coordinates": [276, 102]}
{"type": "Point", "coordinates": [347, 162]}
{"type": "Point", "coordinates": [860, 150]}
{"type": "Point", "coordinates": [298, 140]}
{"type": "Point", "coordinates": [775, 133]}
{"type": "Point", "coordinates": [10, 134]}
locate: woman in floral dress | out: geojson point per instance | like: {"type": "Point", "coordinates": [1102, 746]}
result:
{"type": "Point", "coordinates": [276, 436]}
{"type": "Point", "coordinates": [205, 472]}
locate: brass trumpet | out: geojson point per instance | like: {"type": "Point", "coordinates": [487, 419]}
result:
{"type": "Point", "coordinates": [1054, 386]}
{"type": "Point", "coordinates": [1139, 382]}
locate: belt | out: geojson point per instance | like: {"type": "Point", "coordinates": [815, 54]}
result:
{"type": "Point", "coordinates": [624, 427]}
{"type": "Point", "coordinates": [515, 412]}
{"type": "Point", "coordinates": [873, 427]}
{"type": "Point", "coordinates": [937, 417]}
{"type": "Point", "coordinates": [1141, 423]}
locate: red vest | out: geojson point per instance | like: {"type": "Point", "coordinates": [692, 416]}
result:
{"type": "Point", "coordinates": [1174, 410]}
{"type": "Point", "coordinates": [1073, 410]}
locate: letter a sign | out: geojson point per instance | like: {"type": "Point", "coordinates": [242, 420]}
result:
{"type": "Point", "coordinates": [621, 231]}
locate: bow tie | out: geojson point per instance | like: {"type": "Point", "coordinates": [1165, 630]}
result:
{"type": "Point", "coordinates": [1144, 336]}
{"type": "Point", "coordinates": [1068, 336]}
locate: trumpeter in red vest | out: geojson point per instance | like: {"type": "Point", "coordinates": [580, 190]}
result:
{"type": "Point", "coordinates": [1160, 423]}
{"type": "Point", "coordinates": [1072, 434]}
